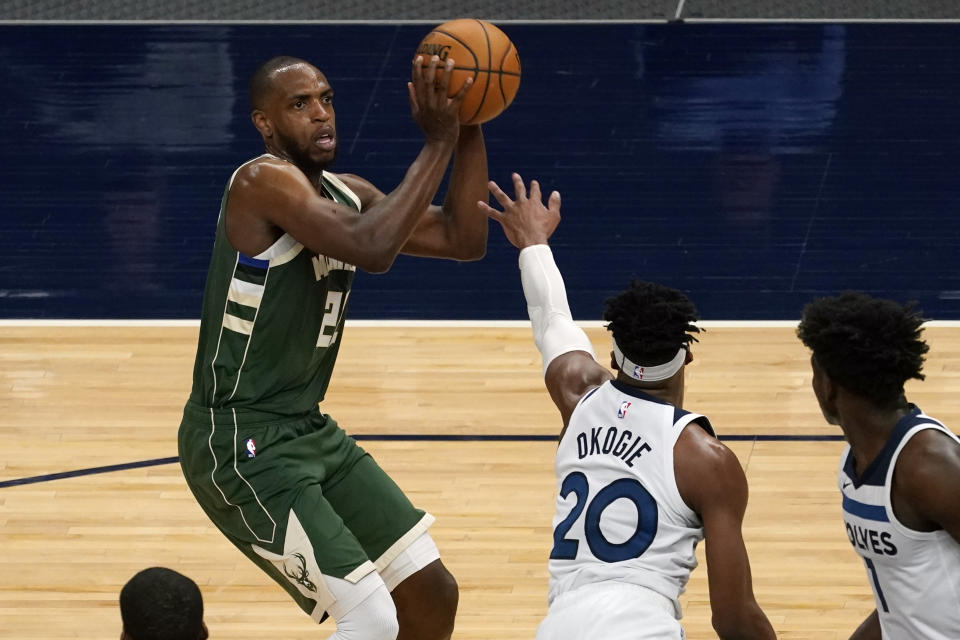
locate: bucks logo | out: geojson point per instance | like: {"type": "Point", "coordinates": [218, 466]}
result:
{"type": "Point", "coordinates": [298, 573]}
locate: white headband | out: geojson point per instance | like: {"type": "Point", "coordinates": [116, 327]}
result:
{"type": "Point", "coordinates": [649, 374]}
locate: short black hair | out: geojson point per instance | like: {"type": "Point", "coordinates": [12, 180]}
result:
{"type": "Point", "coordinates": [161, 604]}
{"type": "Point", "coordinates": [261, 82]}
{"type": "Point", "coordinates": [867, 345]}
{"type": "Point", "coordinates": [650, 322]}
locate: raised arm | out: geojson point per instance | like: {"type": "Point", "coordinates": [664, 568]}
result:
{"type": "Point", "coordinates": [458, 229]}
{"type": "Point", "coordinates": [270, 194]}
{"type": "Point", "coordinates": [712, 483]}
{"type": "Point", "coordinates": [569, 364]}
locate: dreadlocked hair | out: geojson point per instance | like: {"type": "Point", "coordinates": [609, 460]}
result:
{"type": "Point", "coordinates": [868, 346]}
{"type": "Point", "coordinates": [650, 322]}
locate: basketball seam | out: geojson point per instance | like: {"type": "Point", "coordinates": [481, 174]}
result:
{"type": "Point", "coordinates": [503, 94]}
{"type": "Point", "coordinates": [486, 86]}
{"type": "Point", "coordinates": [491, 71]}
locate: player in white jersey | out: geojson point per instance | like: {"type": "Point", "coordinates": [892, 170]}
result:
{"type": "Point", "coordinates": [641, 481]}
{"type": "Point", "coordinates": [900, 475]}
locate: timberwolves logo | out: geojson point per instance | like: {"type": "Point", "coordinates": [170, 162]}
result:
{"type": "Point", "coordinates": [299, 572]}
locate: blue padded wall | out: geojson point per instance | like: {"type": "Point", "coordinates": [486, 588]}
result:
{"type": "Point", "coordinates": [753, 166]}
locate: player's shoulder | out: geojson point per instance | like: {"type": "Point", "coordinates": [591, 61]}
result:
{"type": "Point", "coordinates": [701, 447]}
{"type": "Point", "coordinates": [263, 170]}
{"type": "Point", "coordinates": [570, 377]}
{"type": "Point", "coordinates": [926, 474]}
{"type": "Point", "coordinates": [708, 473]}
{"type": "Point", "coordinates": [931, 455]}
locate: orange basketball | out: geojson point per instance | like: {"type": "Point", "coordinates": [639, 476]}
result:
{"type": "Point", "coordinates": [483, 52]}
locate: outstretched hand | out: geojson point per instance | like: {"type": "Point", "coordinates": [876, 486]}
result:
{"type": "Point", "coordinates": [437, 114]}
{"type": "Point", "coordinates": [525, 221]}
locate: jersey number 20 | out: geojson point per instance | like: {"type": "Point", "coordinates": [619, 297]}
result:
{"type": "Point", "coordinates": [565, 548]}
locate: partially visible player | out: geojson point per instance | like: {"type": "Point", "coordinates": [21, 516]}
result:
{"type": "Point", "coordinates": [161, 604]}
{"type": "Point", "coordinates": [641, 481]}
{"type": "Point", "coordinates": [900, 473]}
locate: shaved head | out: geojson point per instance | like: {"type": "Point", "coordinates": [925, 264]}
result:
{"type": "Point", "coordinates": [261, 83]}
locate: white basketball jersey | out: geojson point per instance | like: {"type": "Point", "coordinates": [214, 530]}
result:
{"type": "Point", "coordinates": [915, 575]}
{"type": "Point", "coordinates": [619, 515]}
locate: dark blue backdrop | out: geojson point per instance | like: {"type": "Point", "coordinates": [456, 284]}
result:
{"type": "Point", "coordinates": [753, 166]}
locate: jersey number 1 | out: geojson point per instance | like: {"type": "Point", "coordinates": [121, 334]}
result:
{"type": "Point", "coordinates": [565, 548]}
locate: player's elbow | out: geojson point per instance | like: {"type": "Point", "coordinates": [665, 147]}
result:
{"type": "Point", "coordinates": [466, 247]}
{"type": "Point", "coordinates": [749, 623]}
{"type": "Point", "coordinates": [375, 258]}
{"type": "Point", "coordinates": [472, 252]}
{"type": "Point", "coordinates": [376, 264]}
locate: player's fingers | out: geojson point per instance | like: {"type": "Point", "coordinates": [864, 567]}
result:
{"type": "Point", "coordinates": [412, 94]}
{"type": "Point", "coordinates": [442, 85]}
{"type": "Point", "coordinates": [553, 202]}
{"type": "Point", "coordinates": [489, 211]}
{"type": "Point", "coordinates": [535, 190]}
{"type": "Point", "coordinates": [438, 87]}
{"type": "Point", "coordinates": [443, 80]}
{"type": "Point", "coordinates": [519, 189]}
{"type": "Point", "coordinates": [430, 75]}
{"type": "Point", "coordinates": [499, 195]}
{"type": "Point", "coordinates": [416, 73]}
{"type": "Point", "coordinates": [463, 91]}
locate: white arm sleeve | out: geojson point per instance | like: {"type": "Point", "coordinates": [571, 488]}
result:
{"type": "Point", "coordinates": [553, 329]}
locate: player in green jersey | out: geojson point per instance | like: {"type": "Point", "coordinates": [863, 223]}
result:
{"type": "Point", "coordinates": [279, 478]}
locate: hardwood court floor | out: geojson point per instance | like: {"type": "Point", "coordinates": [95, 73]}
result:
{"type": "Point", "coordinates": [82, 397]}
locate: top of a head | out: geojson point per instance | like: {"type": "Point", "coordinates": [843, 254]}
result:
{"type": "Point", "coordinates": [161, 604]}
{"type": "Point", "coordinates": [650, 322]}
{"type": "Point", "coordinates": [867, 345]}
{"type": "Point", "coordinates": [262, 80]}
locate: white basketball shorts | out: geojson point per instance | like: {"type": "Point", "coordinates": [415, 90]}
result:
{"type": "Point", "coordinates": [610, 610]}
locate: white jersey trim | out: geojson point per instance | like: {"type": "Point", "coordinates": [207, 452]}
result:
{"type": "Point", "coordinates": [675, 501]}
{"type": "Point", "coordinates": [339, 184]}
{"type": "Point", "coordinates": [285, 249]}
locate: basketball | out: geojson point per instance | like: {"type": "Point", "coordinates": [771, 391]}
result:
{"type": "Point", "coordinates": [480, 51]}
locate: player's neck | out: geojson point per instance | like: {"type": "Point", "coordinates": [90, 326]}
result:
{"type": "Point", "coordinates": [867, 427]}
{"type": "Point", "coordinates": [670, 391]}
{"type": "Point", "coordinates": [314, 173]}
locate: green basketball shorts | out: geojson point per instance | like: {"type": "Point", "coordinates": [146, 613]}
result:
{"type": "Point", "coordinates": [297, 496]}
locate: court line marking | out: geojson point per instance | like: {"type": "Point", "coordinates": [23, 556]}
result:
{"type": "Point", "coordinates": [155, 462]}
{"type": "Point", "coordinates": [439, 324]}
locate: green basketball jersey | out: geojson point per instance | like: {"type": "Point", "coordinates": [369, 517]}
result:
{"type": "Point", "coordinates": [271, 324]}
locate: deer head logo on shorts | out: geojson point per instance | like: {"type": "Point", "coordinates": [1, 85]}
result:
{"type": "Point", "coordinates": [299, 572]}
